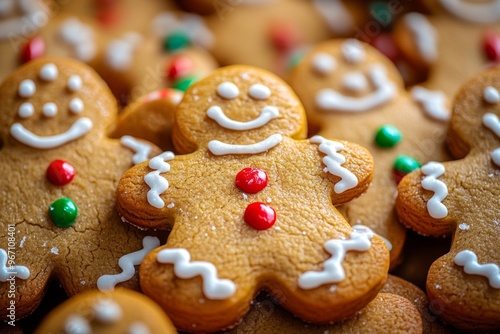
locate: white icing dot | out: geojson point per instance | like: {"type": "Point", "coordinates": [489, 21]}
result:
{"type": "Point", "coordinates": [26, 88]}
{"type": "Point", "coordinates": [464, 226]}
{"type": "Point", "coordinates": [107, 311]}
{"type": "Point", "coordinates": [48, 72]}
{"type": "Point", "coordinates": [259, 92]}
{"type": "Point", "coordinates": [74, 83]}
{"type": "Point", "coordinates": [491, 95]}
{"type": "Point", "coordinates": [26, 110]}
{"type": "Point", "coordinates": [49, 109]}
{"type": "Point", "coordinates": [353, 51]}
{"type": "Point", "coordinates": [76, 324]}
{"type": "Point", "coordinates": [54, 250]}
{"type": "Point", "coordinates": [355, 81]}
{"type": "Point", "coordinates": [76, 105]}
{"type": "Point", "coordinates": [138, 328]}
{"type": "Point", "coordinates": [228, 90]}
{"type": "Point", "coordinates": [323, 63]}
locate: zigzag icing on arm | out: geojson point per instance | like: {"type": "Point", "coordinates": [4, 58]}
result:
{"type": "Point", "coordinates": [332, 268]}
{"type": "Point", "coordinates": [155, 181]}
{"type": "Point", "coordinates": [141, 149]}
{"type": "Point", "coordinates": [127, 263]}
{"type": "Point", "coordinates": [213, 287]}
{"type": "Point", "coordinates": [21, 272]}
{"type": "Point", "coordinates": [435, 207]}
{"type": "Point", "coordinates": [433, 102]}
{"type": "Point", "coordinates": [492, 122]}
{"type": "Point", "coordinates": [468, 259]}
{"type": "Point", "coordinates": [334, 161]}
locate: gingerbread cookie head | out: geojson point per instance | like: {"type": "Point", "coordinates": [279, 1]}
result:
{"type": "Point", "coordinates": [60, 174]}
{"type": "Point", "coordinates": [119, 311]}
{"type": "Point", "coordinates": [249, 190]}
{"type": "Point", "coordinates": [459, 198]}
{"type": "Point", "coordinates": [345, 76]}
{"type": "Point", "coordinates": [238, 101]}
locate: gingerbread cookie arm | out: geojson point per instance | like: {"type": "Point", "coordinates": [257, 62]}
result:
{"type": "Point", "coordinates": [424, 199]}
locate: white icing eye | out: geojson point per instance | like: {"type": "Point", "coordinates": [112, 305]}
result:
{"type": "Point", "coordinates": [26, 110]}
{"type": "Point", "coordinates": [76, 324]}
{"type": "Point", "coordinates": [323, 63]}
{"type": "Point", "coordinates": [259, 92]}
{"type": "Point", "coordinates": [353, 51]}
{"type": "Point", "coordinates": [48, 72]}
{"type": "Point", "coordinates": [138, 328]}
{"type": "Point", "coordinates": [76, 105]}
{"type": "Point", "coordinates": [491, 95]}
{"type": "Point", "coordinates": [49, 109]}
{"type": "Point", "coordinates": [228, 90]}
{"type": "Point", "coordinates": [107, 311]}
{"type": "Point", "coordinates": [74, 83]}
{"type": "Point", "coordinates": [26, 88]}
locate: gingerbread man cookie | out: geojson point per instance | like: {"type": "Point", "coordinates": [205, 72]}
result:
{"type": "Point", "coordinates": [400, 307]}
{"type": "Point", "coordinates": [460, 198]}
{"type": "Point", "coordinates": [456, 40]}
{"type": "Point", "coordinates": [251, 207]}
{"type": "Point", "coordinates": [60, 173]}
{"type": "Point", "coordinates": [119, 311]}
{"type": "Point", "coordinates": [355, 93]}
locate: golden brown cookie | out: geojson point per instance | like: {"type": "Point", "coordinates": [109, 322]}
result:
{"type": "Point", "coordinates": [351, 91]}
{"type": "Point", "coordinates": [151, 117]}
{"type": "Point", "coordinates": [251, 206]}
{"type": "Point", "coordinates": [119, 311]}
{"type": "Point", "coordinates": [59, 177]}
{"type": "Point", "coordinates": [460, 198]}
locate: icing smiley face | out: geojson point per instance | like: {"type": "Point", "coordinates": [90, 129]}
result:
{"type": "Point", "coordinates": [350, 80]}
{"type": "Point", "coordinates": [460, 197]}
{"type": "Point", "coordinates": [474, 11]}
{"type": "Point", "coordinates": [245, 111]}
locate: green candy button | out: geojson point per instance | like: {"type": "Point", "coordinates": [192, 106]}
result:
{"type": "Point", "coordinates": [406, 164]}
{"type": "Point", "coordinates": [387, 136]}
{"type": "Point", "coordinates": [176, 41]}
{"type": "Point", "coordinates": [63, 212]}
{"type": "Point", "coordinates": [183, 83]}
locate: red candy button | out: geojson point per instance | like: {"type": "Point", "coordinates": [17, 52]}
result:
{"type": "Point", "coordinates": [179, 66]}
{"type": "Point", "coordinates": [251, 180]}
{"type": "Point", "coordinates": [385, 44]}
{"type": "Point", "coordinates": [60, 172]}
{"type": "Point", "coordinates": [260, 216]}
{"type": "Point", "coordinates": [33, 49]}
{"type": "Point", "coordinates": [491, 45]}
{"type": "Point", "coordinates": [284, 36]}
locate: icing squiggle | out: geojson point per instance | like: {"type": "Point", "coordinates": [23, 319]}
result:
{"type": "Point", "coordinates": [220, 148]}
{"type": "Point", "coordinates": [213, 287]}
{"type": "Point", "coordinates": [21, 272]}
{"type": "Point", "coordinates": [127, 263]}
{"type": "Point", "coordinates": [468, 259]}
{"type": "Point", "coordinates": [387, 242]}
{"type": "Point", "coordinates": [141, 149]}
{"type": "Point", "coordinates": [433, 102]}
{"type": "Point", "coordinates": [330, 99]}
{"type": "Point", "coordinates": [334, 161]}
{"type": "Point", "coordinates": [332, 268]}
{"type": "Point", "coordinates": [155, 181]}
{"type": "Point", "coordinates": [337, 17]}
{"type": "Point", "coordinates": [492, 122]}
{"type": "Point", "coordinates": [80, 128]}
{"type": "Point", "coordinates": [488, 12]}
{"type": "Point", "coordinates": [432, 170]}
{"type": "Point", "coordinates": [267, 113]}
{"type": "Point", "coordinates": [424, 34]}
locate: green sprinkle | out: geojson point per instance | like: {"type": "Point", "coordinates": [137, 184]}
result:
{"type": "Point", "coordinates": [387, 136]}
{"type": "Point", "coordinates": [176, 41]}
{"type": "Point", "coordinates": [406, 164]}
{"type": "Point", "coordinates": [183, 83]}
{"type": "Point", "coordinates": [63, 212]}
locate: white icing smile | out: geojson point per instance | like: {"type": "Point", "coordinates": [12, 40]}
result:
{"type": "Point", "coordinates": [220, 148]}
{"type": "Point", "coordinates": [80, 128]}
{"type": "Point", "coordinates": [267, 113]}
{"type": "Point", "coordinates": [385, 90]}
{"type": "Point", "coordinates": [484, 12]}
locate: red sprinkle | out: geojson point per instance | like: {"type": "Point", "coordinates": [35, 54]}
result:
{"type": "Point", "coordinates": [385, 44]}
{"type": "Point", "coordinates": [179, 66]}
{"type": "Point", "coordinates": [251, 180]}
{"type": "Point", "coordinates": [60, 172]}
{"type": "Point", "coordinates": [398, 176]}
{"type": "Point", "coordinates": [491, 45]}
{"type": "Point", "coordinates": [284, 36]}
{"type": "Point", "coordinates": [260, 216]}
{"type": "Point", "coordinates": [33, 49]}
{"type": "Point", "coordinates": [109, 16]}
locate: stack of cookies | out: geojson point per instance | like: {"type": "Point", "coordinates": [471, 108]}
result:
{"type": "Point", "coordinates": [251, 166]}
